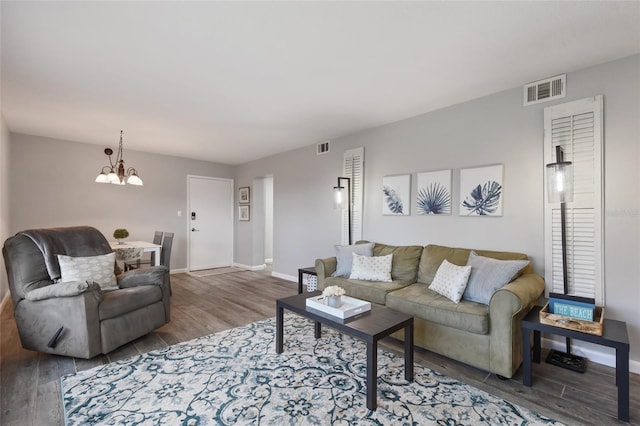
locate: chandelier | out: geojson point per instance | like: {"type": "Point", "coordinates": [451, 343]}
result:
{"type": "Point", "coordinates": [116, 174]}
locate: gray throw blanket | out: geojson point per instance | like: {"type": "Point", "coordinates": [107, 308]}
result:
{"type": "Point", "coordinates": [73, 241]}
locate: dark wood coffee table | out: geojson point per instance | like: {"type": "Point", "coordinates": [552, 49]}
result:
{"type": "Point", "coordinates": [370, 326]}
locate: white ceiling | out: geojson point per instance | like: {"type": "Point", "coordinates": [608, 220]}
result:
{"type": "Point", "coordinates": [231, 82]}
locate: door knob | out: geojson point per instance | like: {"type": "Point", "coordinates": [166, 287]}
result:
{"type": "Point", "coordinates": [194, 229]}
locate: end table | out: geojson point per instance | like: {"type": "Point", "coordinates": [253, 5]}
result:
{"type": "Point", "coordinates": [309, 270]}
{"type": "Point", "coordinates": [614, 336]}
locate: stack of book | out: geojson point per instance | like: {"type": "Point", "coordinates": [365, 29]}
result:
{"type": "Point", "coordinates": [583, 308]}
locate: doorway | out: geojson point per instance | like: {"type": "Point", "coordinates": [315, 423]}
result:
{"type": "Point", "coordinates": [210, 222]}
{"type": "Point", "coordinates": [268, 222]}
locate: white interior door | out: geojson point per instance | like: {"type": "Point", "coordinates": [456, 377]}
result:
{"type": "Point", "coordinates": [210, 222]}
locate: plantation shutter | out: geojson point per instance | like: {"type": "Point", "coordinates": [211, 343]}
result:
{"type": "Point", "coordinates": [353, 168]}
{"type": "Point", "coordinates": [577, 128]}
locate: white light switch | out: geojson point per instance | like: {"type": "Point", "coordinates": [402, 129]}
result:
{"type": "Point", "coordinates": [179, 213]}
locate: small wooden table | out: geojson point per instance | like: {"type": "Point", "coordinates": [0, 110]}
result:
{"type": "Point", "coordinates": [614, 336]}
{"type": "Point", "coordinates": [371, 326]}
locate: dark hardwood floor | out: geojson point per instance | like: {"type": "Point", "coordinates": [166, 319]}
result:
{"type": "Point", "coordinates": [30, 387]}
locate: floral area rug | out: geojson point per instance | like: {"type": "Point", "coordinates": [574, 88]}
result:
{"type": "Point", "coordinates": [235, 377]}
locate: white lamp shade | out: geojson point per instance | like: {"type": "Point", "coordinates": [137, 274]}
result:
{"type": "Point", "coordinates": [134, 180]}
{"type": "Point", "coordinates": [102, 178]}
{"type": "Point", "coordinates": [113, 178]}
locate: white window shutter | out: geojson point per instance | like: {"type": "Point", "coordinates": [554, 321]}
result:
{"type": "Point", "coordinates": [577, 128]}
{"type": "Point", "coordinates": [353, 168]}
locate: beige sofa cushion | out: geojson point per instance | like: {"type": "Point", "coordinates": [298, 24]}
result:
{"type": "Point", "coordinates": [371, 291]}
{"type": "Point", "coordinates": [405, 260]}
{"type": "Point", "coordinates": [433, 255]}
{"type": "Point", "coordinates": [418, 300]}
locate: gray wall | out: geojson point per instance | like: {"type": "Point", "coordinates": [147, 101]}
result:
{"type": "Point", "coordinates": [55, 185]}
{"type": "Point", "coordinates": [4, 200]}
{"type": "Point", "coordinates": [489, 130]}
{"type": "Point", "coordinates": [56, 188]}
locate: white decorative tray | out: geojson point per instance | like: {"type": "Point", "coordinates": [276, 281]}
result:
{"type": "Point", "coordinates": [350, 306]}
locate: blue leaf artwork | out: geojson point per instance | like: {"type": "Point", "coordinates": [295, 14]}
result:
{"type": "Point", "coordinates": [481, 190]}
{"type": "Point", "coordinates": [434, 193]}
{"type": "Point", "coordinates": [435, 199]}
{"type": "Point", "coordinates": [395, 195]}
{"type": "Point", "coordinates": [483, 200]}
{"type": "Point", "coordinates": [391, 197]}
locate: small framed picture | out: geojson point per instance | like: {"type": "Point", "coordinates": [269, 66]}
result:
{"type": "Point", "coordinates": [243, 195]}
{"type": "Point", "coordinates": [243, 213]}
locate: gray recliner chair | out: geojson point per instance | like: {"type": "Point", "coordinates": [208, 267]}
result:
{"type": "Point", "coordinates": [89, 323]}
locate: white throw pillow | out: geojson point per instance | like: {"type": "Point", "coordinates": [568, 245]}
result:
{"type": "Point", "coordinates": [489, 275]}
{"type": "Point", "coordinates": [98, 269]}
{"type": "Point", "coordinates": [375, 268]}
{"type": "Point", "coordinates": [451, 280]}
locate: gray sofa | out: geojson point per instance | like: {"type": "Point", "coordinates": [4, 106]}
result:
{"type": "Point", "coordinates": [93, 321]}
{"type": "Point", "coordinates": [488, 337]}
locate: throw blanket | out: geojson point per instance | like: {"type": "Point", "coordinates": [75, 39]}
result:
{"type": "Point", "coordinates": [72, 241]}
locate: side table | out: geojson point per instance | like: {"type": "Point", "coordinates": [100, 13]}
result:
{"type": "Point", "coordinates": [614, 336]}
{"type": "Point", "coordinates": [309, 270]}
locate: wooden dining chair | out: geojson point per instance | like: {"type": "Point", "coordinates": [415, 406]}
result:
{"type": "Point", "coordinates": [157, 239]}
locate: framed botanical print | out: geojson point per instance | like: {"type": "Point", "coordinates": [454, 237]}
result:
{"type": "Point", "coordinates": [244, 213]}
{"type": "Point", "coordinates": [244, 195]}
{"type": "Point", "coordinates": [396, 191]}
{"type": "Point", "coordinates": [434, 193]}
{"type": "Point", "coordinates": [481, 191]}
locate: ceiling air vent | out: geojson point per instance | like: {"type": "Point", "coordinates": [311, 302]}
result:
{"type": "Point", "coordinates": [545, 90]}
{"type": "Point", "coordinates": [322, 148]}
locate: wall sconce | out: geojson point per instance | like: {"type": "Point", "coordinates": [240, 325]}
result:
{"type": "Point", "coordinates": [339, 199]}
{"type": "Point", "coordinates": [116, 174]}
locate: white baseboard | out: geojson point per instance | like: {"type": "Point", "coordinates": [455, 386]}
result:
{"type": "Point", "coordinates": [285, 277]}
{"type": "Point", "coordinates": [251, 268]}
{"type": "Point", "coordinates": [268, 261]}
{"type": "Point", "coordinates": [594, 353]}
{"type": "Point", "coordinates": [179, 271]}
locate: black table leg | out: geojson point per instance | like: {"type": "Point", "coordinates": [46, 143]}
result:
{"type": "Point", "coordinates": [317, 329]}
{"type": "Point", "coordinates": [279, 328]}
{"type": "Point", "coordinates": [372, 375]}
{"type": "Point", "coordinates": [299, 281]}
{"type": "Point", "coordinates": [536, 346]}
{"type": "Point", "coordinates": [408, 352]}
{"type": "Point", "coordinates": [622, 380]}
{"type": "Point", "coordinates": [526, 356]}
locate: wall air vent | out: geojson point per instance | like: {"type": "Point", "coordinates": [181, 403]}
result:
{"type": "Point", "coordinates": [322, 148]}
{"type": "Point", "coordinates": [545, 90]}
